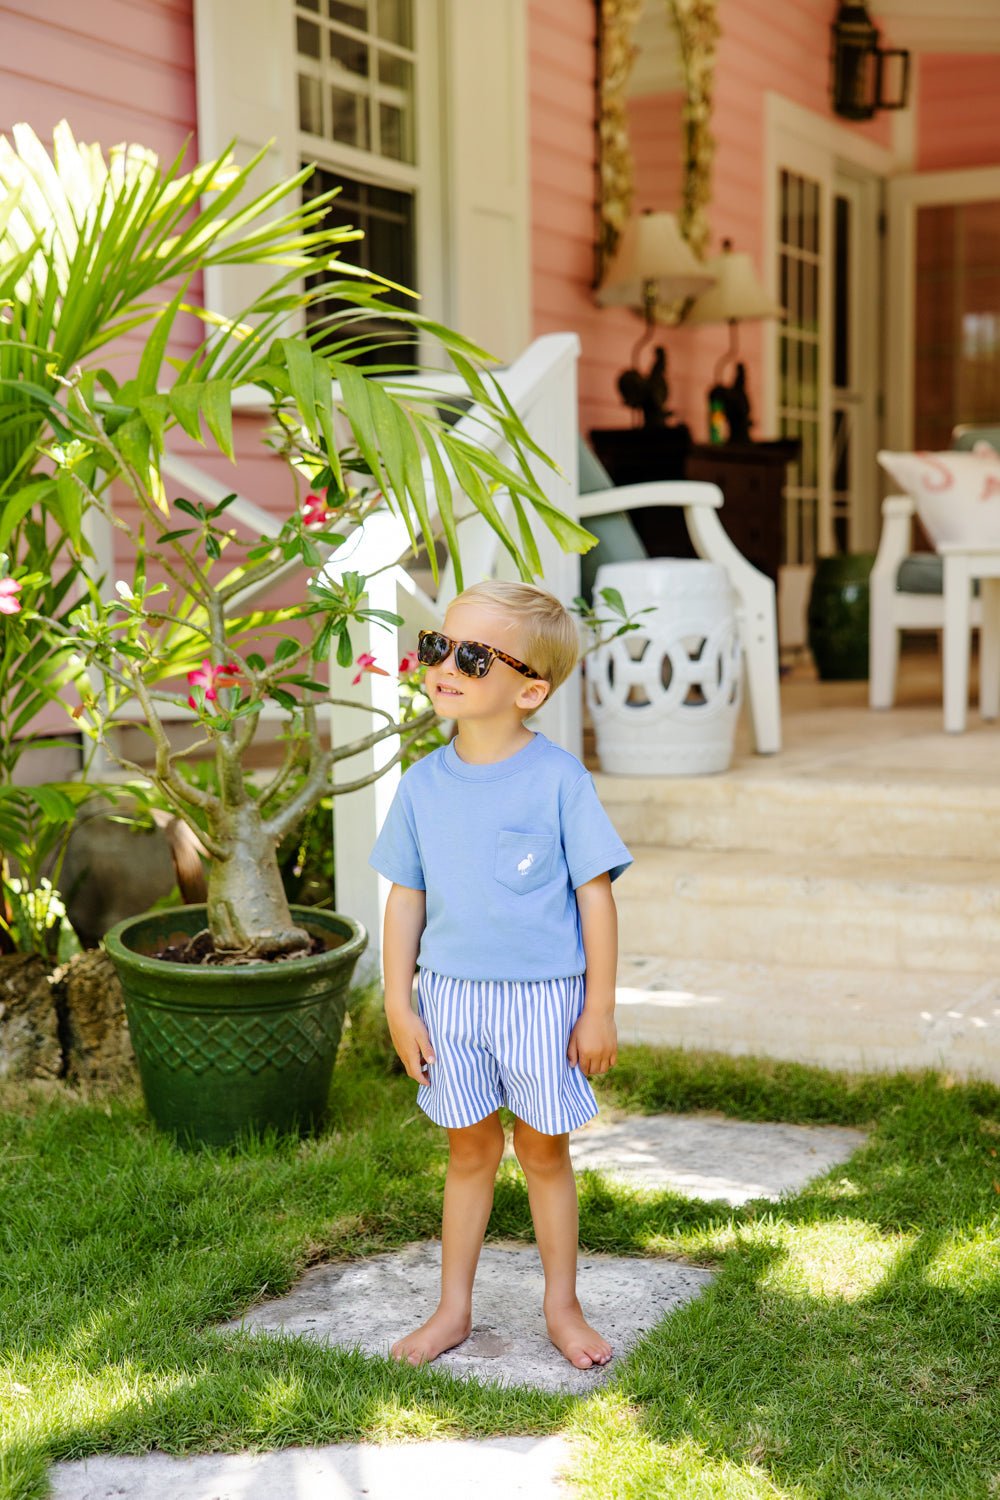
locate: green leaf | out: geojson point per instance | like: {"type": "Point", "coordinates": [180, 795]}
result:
{"type": "Point", "coordinates": [256, 663]}
{"type": "Point", "coordinates": [18, 506]}
{"type": "Point", "coordinates": [185, 403]}
{"type": "Point", "coordinates": [154, 411]}
{"type": "Point", "coordinates": [69, 507]}
{"type": "Point", "coordinates": [156, 345]}
{"type": "Point", "coordinates": [345, 657]}
{"type": "Point", "coordinates": [218, 412]}
{"type": "Point", "coordinates": [286, 700]}
{"type": "Point", "coordinates": [133, 438]}
{"type": "Point", "coordinates": [287, 648]}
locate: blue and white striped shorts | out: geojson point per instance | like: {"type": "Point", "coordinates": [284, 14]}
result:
{"type": "Point", "coordinates": [503, 1042]}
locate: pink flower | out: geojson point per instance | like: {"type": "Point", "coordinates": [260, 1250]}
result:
{"type": "Point", "coordinates": [314, 511]}
{"type": "Point", "coordinates": [367, 664]}
{"type": "Point", "coordinates": [9, 590]}
{"type": "Point", "coordinates": [211, 679]}
{"type": "Point", "coordinates": [410, 663]}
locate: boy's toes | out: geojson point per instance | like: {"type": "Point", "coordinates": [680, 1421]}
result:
{"type": "Point", "coordinates": [573, 1336]}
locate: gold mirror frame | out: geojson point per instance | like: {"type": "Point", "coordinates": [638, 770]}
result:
{"type": "Point", "coordinates": [696, 26]}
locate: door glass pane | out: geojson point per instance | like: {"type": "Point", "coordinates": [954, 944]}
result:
{"type": "Point", "coordinates": [798, 348]}
{"type": "Point", "coordinates": [957, 320]}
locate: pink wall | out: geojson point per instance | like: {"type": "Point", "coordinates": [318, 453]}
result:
{"type": "Point", "coordinates": [758, 52]}
{"type": "Point", "coordinates": [117, 69]}
{"type": "Point", "coordinates": [968, 135]}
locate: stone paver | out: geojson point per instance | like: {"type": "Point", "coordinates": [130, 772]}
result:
{"type": "Point", "coordinates": [499, 1469]}
{"type": "Point", "coordinates": [369, 1304]}
{"type": "Point", "coordinates": [703, 1156]}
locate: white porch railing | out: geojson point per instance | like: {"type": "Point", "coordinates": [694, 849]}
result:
{"type": "Point", "coordinates": [541, 387]}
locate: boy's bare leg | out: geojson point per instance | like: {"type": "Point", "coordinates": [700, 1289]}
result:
{"type": "Point", "coordinates": [552, 1194]}
{"type": "Point", "coordinates": [474, 1156]}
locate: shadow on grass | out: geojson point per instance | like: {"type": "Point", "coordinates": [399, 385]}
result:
{"type": "Point", "coordinates": [847, 1348]}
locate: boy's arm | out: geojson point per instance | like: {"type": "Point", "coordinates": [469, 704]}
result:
{"type": "Point", "coordinates": [405, 917]}
{"type": "Point", "coordinates": [593, 1042]}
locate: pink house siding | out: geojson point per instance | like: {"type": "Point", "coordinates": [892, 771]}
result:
{"type": "Point", "coordinates": [117, 69]}
{"type": "Point", "coordinates": [950, 137]}
{"type": "Point", "coordinates": [756, 54]}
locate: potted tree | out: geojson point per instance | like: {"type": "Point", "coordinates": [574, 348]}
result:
{"type": "Point", "coordinates": [235, 1008]}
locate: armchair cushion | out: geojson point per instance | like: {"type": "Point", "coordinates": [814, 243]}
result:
{"type": "Point", "coordinates": [920, 573]}
{"type": "Point", "coordinates": [617, 538]}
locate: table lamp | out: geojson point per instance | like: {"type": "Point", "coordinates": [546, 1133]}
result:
{"type": "Point", "coordinates": [652, 268]}
{"type": "Point", "coordinates": [736, 296]}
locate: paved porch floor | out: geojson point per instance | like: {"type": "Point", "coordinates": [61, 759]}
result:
{"type": "Point", "coordinates": [842, 896]}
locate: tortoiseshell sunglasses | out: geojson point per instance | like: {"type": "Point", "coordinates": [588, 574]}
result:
{"type": "Point", "coordinates": [472, 658]}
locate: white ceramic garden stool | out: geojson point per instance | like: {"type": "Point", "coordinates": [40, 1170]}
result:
{"type": "Point", "coordinates": [664, 699]}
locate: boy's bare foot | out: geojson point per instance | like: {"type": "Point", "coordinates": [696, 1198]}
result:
{"type": "Point", "coordinates": [443, 1330]}
{"type": "Point", "coordinates": [573, 1336]}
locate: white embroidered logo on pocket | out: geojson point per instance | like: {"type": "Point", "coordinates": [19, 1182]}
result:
{"type": "Point", "coordinates": [525, 864]}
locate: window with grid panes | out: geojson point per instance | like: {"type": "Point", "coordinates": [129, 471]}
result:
{"type": "Point", "coordinates": [798, 358]}
{"type": "Point", "coordinates": [356, 64]}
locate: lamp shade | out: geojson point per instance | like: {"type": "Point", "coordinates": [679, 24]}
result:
{"type": "Point", "coordinates": [737, 294]}
{"type": "Point", "coordinates": [653, 264]}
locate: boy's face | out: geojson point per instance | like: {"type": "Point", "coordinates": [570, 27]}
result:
{"type": "Point", "coordinates": [502, 692]}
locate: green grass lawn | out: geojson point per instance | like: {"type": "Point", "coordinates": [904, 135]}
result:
{"type": "Point", "coordinates": [850, 1345]}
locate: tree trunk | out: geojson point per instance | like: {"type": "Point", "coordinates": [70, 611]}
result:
{"type": "Point", "coordinates": [247, 907]}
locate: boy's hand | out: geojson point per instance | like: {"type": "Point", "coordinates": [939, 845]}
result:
{"type": "Point", "coordinates": [593, 1043]}
{"type": "Point", "coordinates": [412, 1043]}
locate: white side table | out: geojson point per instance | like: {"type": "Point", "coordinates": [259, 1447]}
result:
{"type": "Point", "coordinates": [963, 565]}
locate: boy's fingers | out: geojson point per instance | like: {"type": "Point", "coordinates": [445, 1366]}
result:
{"type": "Point", "coordinates": [572, 1052]}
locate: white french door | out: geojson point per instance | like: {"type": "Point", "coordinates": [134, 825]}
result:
{"type": "Point", "coordinates": [825, 194]}
{"type": "Point", "coordinates": [943, 352]}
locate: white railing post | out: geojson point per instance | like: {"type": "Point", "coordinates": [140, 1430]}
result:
{"type": "Point", "coordinates": [553, 422]}
{"type": "Point", "coordinates": [358, 815]}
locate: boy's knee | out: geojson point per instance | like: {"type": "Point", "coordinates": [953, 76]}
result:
{"type": "Point", "coordinates": [539, 1154]}
{"type": "Point", "coordinates": [477, 1147]}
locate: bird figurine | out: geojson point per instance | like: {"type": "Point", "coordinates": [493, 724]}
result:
{"type": "Point", "coordinates": [647, 393]}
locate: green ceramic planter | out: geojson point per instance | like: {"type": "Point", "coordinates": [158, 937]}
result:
{"type": "Point", "coordinates": [226, 1050]}
{"type": "Point", "coordinates": [838, 617]}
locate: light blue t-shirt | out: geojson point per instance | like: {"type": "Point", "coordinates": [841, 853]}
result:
{"type": "Point", "coordinates": [500, 850]}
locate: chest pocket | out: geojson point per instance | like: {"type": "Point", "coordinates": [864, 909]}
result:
{"type": "Point", "coordinates": [524, 860]}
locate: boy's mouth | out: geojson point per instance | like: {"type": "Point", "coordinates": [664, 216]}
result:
{"type": "Point", "coordinates": [444, 691]}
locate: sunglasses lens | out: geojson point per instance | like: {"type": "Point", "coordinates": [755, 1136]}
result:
{"type": "Point", "coordinates": [472, 660]}
{"type": "Point", "coordinates": [432, 648]}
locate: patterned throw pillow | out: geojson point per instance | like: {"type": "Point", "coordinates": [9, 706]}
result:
{"type": "Point", "coordinates": [956, 495]}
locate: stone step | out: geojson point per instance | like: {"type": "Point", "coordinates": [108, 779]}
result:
{"type": "Point", "coordinates": [858, 1019]}
{"type": "Point", "coordinates": [752, 907]}
{"type": "Point", "coordinates": [790, 814]}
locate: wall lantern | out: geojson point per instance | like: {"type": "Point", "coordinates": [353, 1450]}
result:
{"type": "Point", "coordinates": [864, 76]}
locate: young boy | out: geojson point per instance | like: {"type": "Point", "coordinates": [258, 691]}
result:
{"type": "Point", "coordinates": [501, 859]}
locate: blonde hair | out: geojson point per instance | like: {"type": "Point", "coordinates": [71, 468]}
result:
{"type": "Point", "coordinates": [549, 639]}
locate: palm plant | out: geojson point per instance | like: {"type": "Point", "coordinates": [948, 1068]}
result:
{"type": "Point", "coordinates": [364, 439]}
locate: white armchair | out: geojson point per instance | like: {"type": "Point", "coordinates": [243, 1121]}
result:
{"type": "Point", "coordinates": [894, 607]}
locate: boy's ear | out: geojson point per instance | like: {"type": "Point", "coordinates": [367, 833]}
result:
{"type": "Point", "coordinates": [533, 694]}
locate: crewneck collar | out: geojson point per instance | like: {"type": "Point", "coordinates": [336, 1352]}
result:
{"type": "Point", "coordinates": [495, 770]}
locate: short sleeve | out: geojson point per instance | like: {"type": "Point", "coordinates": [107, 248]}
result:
{"type": "Point", "coordinates": [396, 854]}
{"type": "Point", "coordinates": [589, 839]}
